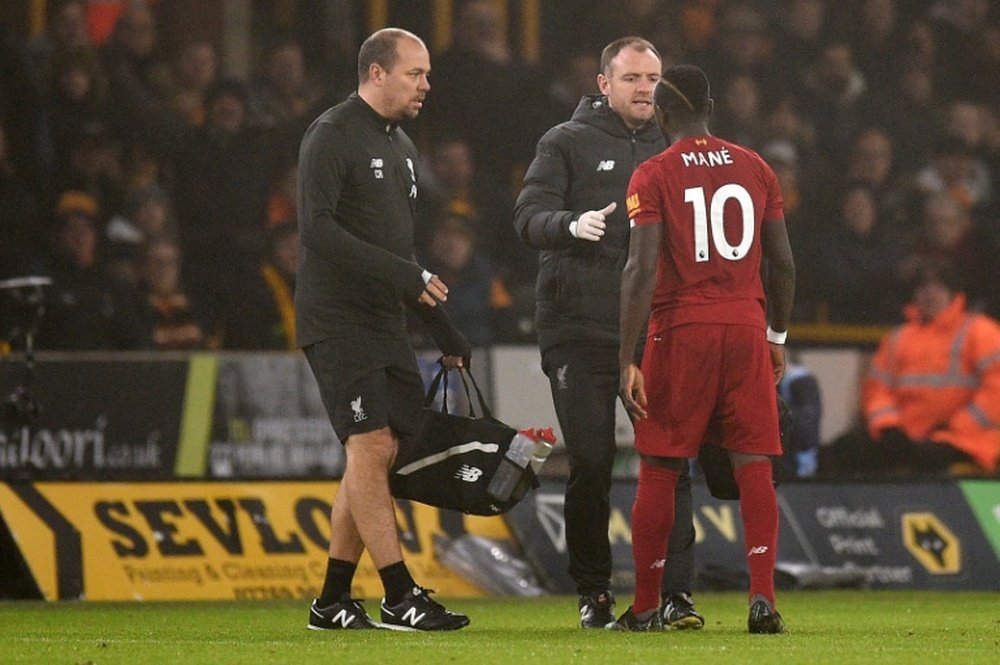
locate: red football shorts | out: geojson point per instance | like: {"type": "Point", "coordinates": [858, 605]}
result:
{"type": "Point", "coordinates": [709, 383]}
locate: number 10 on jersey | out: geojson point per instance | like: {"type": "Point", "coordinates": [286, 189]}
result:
{"type": "Point", "coordinates": [714, 210]}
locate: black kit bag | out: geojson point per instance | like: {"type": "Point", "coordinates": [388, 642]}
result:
{"type": "Point", "coordinates": [718, 470]}
{"type": "Point", "coordinates": [450, 462]}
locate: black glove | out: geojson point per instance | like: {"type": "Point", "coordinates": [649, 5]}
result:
{"type": "Point", "coordinates": [894, 438]}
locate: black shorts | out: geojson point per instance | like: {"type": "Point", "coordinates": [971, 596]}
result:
{"type": "Point", "coordinates": [368, 384]}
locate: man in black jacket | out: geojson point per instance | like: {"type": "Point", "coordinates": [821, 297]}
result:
{"type": "Point", "coordinates": [357, 193]}
{"type": "Point", "coordinates": [572, 208]}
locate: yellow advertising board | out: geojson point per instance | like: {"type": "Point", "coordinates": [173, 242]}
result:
{"type": "Point", "coordinates": [204, 540]}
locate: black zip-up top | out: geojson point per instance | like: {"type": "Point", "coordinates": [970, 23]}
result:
{"type": "Point", "coordinates": [357, 194]}
{"type": "Point", "coordinates": [582, 164]}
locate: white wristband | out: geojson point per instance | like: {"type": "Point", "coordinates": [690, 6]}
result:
{"type": "Point", "coordinates": [775, 337]}
{"type": "Point", "coordinates": [572, 228]}
{"type": "Point", "coordinates": [427, 274]}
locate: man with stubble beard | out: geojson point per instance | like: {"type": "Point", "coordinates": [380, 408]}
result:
{"type": "Point", "coordinates": [357, 194]}
{"type": "Point", "coordinates": [572, 209]}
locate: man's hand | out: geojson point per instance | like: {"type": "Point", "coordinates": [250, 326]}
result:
{"type": "Point", "coordinates": [777, 361]}
{"type": "Point", "coordinates": [434, 290]}
{"type": "Point", "coordinates": [633, 391]}
{"type": "Point", "coordinates": [590, 225]}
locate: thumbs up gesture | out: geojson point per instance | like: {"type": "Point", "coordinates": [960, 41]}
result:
{"type": "Point", "coordinates": [590, 225]}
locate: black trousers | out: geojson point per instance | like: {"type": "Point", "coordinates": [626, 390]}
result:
{"type": "Point", "coordinates": [584, 383]}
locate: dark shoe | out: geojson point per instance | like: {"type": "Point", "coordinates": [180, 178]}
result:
{"type": "Point", "coordinates": [764, 619]}
{"type": "Point", "coordinates": [344, 614]}
{"type": "Point", "coordinates": [418, 611]}
{"type": "Point", "coordinates": [629, 622]}
{"type": "Point", "coordinates": [597, 609]}
{"type": "Point", "coordinates": [677, 611]}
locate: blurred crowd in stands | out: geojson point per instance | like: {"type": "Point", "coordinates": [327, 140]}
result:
{"type": "Point", "coordinates": [158, 191]}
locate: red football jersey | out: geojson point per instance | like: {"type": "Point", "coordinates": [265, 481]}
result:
{"type": "Point", "coordinates": [712, 197]}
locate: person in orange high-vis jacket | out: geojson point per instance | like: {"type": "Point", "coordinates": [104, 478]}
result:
{"type": "Point", "coordinates": [931, 399]}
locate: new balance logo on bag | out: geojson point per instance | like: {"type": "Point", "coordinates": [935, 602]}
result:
{"type": "Point", "coordinates": [469, 474]}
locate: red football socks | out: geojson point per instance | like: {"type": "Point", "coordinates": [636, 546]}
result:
{"type": "Point", "coordinates": [652, 519]}
{"type": "Point", "coordinates": [759, 510]}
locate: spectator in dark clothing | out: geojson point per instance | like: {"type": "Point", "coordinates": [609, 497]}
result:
{"type": "Point", "coordinates": [786, 121]}
{"type": "Point", "coordinates": [959, 28]}
{"type": "Point", "coordinates": [744, 46]}
{"type": "Point", "coordinates": [93, 165]}
{"type": "Point", "coordinates": [804, 25]}
{"type": "Point", "coordinates": [268, 293]}
{"type": "Point", "coordinates": [194, 69]}
{"type": "Point", "coordinates": [739, 116]}
{"type": "Point", "coordinates": [478, 300]}
{"type": "Point", "coordinates": [20, 231]}
{"type": "Point", "coordinates": [782, 155]}
{"type": "Point", "coordinates": [858, 259]}
{"type": "Point", "coordinates": [456, 187]}
{"type": "Point", "coordinates": [85, 310]}
{"type": "Point", "coordinates": [137, 72]}
{"type": "Point", "coordinates": [836, 96]}
{"type": "Point", "coordinates": [955, 170]}
{"type": "Point", "coordinates": [913, 105]}
{"type": "Point", "coordinates": [171, 318]}
{"type": "Point", "coordinates": [284, 97]}
{"type": "Point", "coordinates": [18, 103]}
{"type": "Point", "coordinates": [574, 79]}
{"type": "Point", "coordinates": [221, 194]}
{"type": "Point", "coordinates": [948, 235]}
{"type": "Point", "coordinates": [148, 215]}
{"type": "Point", "coordinates": [74, 100]}
{"type": "Point", "coordinates": [485, 93]}
{"type": "Point", "coordinates": [875, 38]}
{"type": "Point", "coordinates": [872, 159]}
{"type": "Point", "coordinates": [65, 29]}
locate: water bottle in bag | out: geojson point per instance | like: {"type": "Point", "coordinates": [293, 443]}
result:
{"type": "Point", "coordinates": [545, 440]}
{"type": "Point", "coordinates": [512, 468]}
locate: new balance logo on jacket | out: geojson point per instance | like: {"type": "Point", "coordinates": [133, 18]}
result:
{"type": "Point", "coordinates": [606, 165]}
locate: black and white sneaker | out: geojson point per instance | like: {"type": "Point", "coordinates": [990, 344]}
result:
{"type": "Point", "coordinates": [764, 619]}
{"type": "Point", "coordinates": [418, 611]}
{"type": "Point", "coordinates": [629, 622]}
{"type": "Point", "coordinates": [678, 613]}
{"type": "Point", "coordinates": [344, 614]}
{"type": "Point", "coordinates": [597, 609]}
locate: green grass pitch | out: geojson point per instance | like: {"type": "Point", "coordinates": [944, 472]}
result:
{"type": "Point", "coordinates": [950, 628]}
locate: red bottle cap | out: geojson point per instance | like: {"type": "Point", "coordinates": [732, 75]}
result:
{"type": "Point", "coordinates": [547, 435]}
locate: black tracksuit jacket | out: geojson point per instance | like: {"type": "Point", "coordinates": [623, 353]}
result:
{"type": "Point", "coordinates": [357, 195]}
{"type": "Point", "coordinates": [582, 164]}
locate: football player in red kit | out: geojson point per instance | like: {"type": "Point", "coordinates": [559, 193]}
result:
{"type": "Point", "coordinates": [706, 213]}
